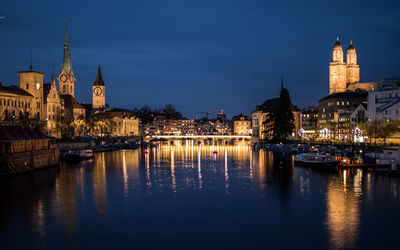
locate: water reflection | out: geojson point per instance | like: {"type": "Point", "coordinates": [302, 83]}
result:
{"type": "Point", "coordinates": [343, 208]}
{"type": "Point", "coordinates": [188, 185]}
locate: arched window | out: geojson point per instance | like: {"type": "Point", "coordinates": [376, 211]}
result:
{"type": "Point", "coordinates": [64, 89]}
{"type": "Point", "coordinates": [27, 86]}
{"type": "Point", "coordinates": [71, 90]}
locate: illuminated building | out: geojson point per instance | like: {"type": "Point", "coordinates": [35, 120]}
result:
{"type": "Point", "coordinates": [334, 113]}
{"type": "Point", "coordinates": [346, 75]}
{"type": "Point", "coordinates": [99, 96]}
{"type": "Point", "coordinates": [241, 125]}
{"type": "Point", "coordinates": [73, 110]}
{"type": "Point", "coordinates": [359, 115]}
{"type": "Point", "coordinates": [14, 102]}
{"type": "Point", "coordinates": [52, 107]}
{"type": "Point", "coordinates": [117, 122]}
{"type": "Point", "coordinates": [309, 120]}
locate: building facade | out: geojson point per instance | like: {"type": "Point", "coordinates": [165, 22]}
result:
{"type": "Point", "coordinates": [334, 113]}
{"type": "Point", "coordinates": [384, 103]}
{"type": "Point", "coordinates": [241, 125]}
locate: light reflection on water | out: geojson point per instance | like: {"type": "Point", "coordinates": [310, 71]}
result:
{"type": "Point", "coordinates": [246, 198]}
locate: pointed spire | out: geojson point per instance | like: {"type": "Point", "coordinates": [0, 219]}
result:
{"type": "Point", "coordinates": [66, 65]}
{"type": "Point", "coordinates": [282, 82]}
{"type": "Point", "coordinates": [351, 42]}
{"type": "Point", "coordinates": [66, 33]}
{"type": "Point", "coordinates": [99, 79]}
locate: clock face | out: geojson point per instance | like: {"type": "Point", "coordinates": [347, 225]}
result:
{"type": "Point", "coordinates": [97, 91]}
{"type": "Point", "coordinates": [37, 86]}
{"type": "Point", "coordinates": [63, 78]}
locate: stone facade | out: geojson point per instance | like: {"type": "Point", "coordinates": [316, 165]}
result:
{"type": "Point", "coordinates": [52, 107]}
{"type": "Point", "coordinates": [341, 73]}
{"type": "Point", "coordinates": [14, 103]}
{"type": "Point", "coordinates": [32, 82]}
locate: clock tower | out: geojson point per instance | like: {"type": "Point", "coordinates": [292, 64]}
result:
{"type": "Point", "coordinates": [66, 79]}
{"type": "Point", "coordinates": [99, 95]}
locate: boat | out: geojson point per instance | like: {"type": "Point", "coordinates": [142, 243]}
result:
{"type": "Point", "coordinates": [75, 156]}
{"type": "Point", "coordinates": [315, 160]}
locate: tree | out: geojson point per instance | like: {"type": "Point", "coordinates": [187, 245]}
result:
{"type": "Point", "coordinates": [368, 128]}
{"type": "Point", "coordinates": [387, 128]}
{"type": "Point", "coordinates": [280, 122]}
{"type": "Point", "coordinates": [171, 112]}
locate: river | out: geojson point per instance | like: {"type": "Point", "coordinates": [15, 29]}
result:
{"type": "Point", "coordinates": [189, 196]}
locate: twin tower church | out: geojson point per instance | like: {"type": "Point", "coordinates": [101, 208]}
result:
{"type": "Point", "coordinates": [345, 75]}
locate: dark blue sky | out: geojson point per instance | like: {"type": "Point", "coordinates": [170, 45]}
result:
{"type": "Point", "coordinates": [199, 55]}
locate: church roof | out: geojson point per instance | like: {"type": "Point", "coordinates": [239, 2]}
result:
{"type": "Point", "coordinates": [348, 94]}
{"type": "Point", "coordinates": [351, 47]}
{"type": "Point", "coordinates": [14, 90]}
{"type": "Point", "coordinates": [66, 65]}
{"type": "Point", "coordinates": [238, 117]}
{"type": "Point", "coordinates": [99, 80]}
{"type": "Point", "coordinates": [70, 102]}
{"type": "Point", "coordinates": [337, 44]}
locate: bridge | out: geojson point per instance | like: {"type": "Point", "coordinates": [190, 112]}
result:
{"type": "Point", "coordinates": [198, 137]}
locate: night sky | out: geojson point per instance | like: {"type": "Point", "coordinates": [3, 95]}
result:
{"type": "Point", "coordinates": [199, 55]}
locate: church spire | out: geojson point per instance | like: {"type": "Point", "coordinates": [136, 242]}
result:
{"type": "Point", "coordinates": [66, 65]}
{"type": "Point", "coordinates": [99, 80]}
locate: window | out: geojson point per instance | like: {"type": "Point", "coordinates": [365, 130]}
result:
{"type": "Point", "coordinates": [342, 103]}
{"type": "Point", "coordinates": [64, 89]}
{"type": "Point", "coordinates": [27, 86]}
{"type": "Point", "coordinates": [348, 103]}
{"type": "Point", "coordinates": [337, 103]}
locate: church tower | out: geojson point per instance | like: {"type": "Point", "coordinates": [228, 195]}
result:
{"type": "Point", "coordinates": [337, 70]}
{"type": "Point", "coordinates": [66, 79]}
{"type": "Point", "coordinates": [352, 69]}
{"type": "Point", "coordinates": [99, 95]}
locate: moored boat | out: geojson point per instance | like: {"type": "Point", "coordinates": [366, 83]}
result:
{"type": "Point", "coordinates": [75, 156]}
{"type": "Point", "coordinates": [315, 160]}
